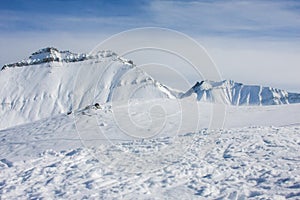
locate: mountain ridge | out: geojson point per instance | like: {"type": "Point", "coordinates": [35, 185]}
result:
{"type": "Point", "coordinates": [233, 93]}
{"type": "Point", "coordinates": [53, 82]}
{"type": "Point", "coordinates": [52, 54]}
{"type": "Point", "coordinates": [40, 90]}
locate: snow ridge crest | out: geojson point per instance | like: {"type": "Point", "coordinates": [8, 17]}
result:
{"type": "Point", "coordinates": [52, 54]}
{"type": "Point", "coordinates": [233, 93]}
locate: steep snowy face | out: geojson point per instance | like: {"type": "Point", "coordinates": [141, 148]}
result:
{"type": "Point", "coordinates": [52, 82]}
{"type": "Point", "coordinates": [232, 93]}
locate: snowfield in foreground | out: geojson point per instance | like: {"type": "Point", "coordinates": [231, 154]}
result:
{"type": "Point", "coordinates": [244, 163]}
{"type": "Point", "coordinates": [74, 157]}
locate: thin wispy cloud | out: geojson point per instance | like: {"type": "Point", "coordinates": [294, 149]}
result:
{"type": "Point", "coordinates": [225, 18]}
{"type": "Point", "coordinates": [234, 31]}
{"type": "Point", "coordinates": [238, 18]}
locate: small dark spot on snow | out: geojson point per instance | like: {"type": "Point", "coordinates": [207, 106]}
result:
{"type": "Point", "coordinates": [7, 162]}
{"type": "Point", "coordinates": [2, 183]}
{"type": "Point", "coordinates": [291, 195]}
{"type": "Point", "coordinates": [88, 184]}
{"type": "Point", "coordinates": [207, 176]}
{"type": "Point", "coordinates": [71, 153]}
{"type": "Point", "coordinates": [254, 194]}
{"type": "Point", "coordinates": [296, 186]}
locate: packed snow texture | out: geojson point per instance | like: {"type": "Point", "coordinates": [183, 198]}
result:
{"type": "Point", "coordinates": [86, 155]}
{"type": "Point", "coordinates": [243, 163]}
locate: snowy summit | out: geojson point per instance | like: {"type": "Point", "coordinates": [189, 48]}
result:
{"type": "Point", "coordinates": [51, 54]}
{"type": "Point", "coordinates": [51, 82]}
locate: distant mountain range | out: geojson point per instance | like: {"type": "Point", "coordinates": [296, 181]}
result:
{"type": "Point", "coordinates": [232, 93]}
{"type": "Point", "coordinates": [50, 82]}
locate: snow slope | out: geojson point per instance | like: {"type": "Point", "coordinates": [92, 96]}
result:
{"type": "Point", "coordinates": [52, 158]}
{"type": "Point", "coordinates": [91, 126]}
{"type": "Point", "coordinates": [65, 82]}
{"type": "Point", "coordinates": [255, 163]}
{"type": "Point", "coordinates": [232, 93]}
{"type": "Point", "coordinates": [246, 163]}
{"type": "Point", "coordinates": [141, 142]}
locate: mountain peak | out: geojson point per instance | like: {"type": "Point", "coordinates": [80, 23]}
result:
{"type": "Point", "coordinates": [233, 93]}
{"type": "Point", "coordinates": [52, 54]}
{"type": "Point", "coordinates": [209, 85]}
{"type": "Point", "coordinates": [46, 55]}
{"type": "Point", "coordinates": [46, 50]}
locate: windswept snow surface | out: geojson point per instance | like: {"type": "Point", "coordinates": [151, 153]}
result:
{"type": "Point", "coordinates": [85, 155]}
{"type": "Point", "coordinates": [232, 93]}
{"type": "Point", "coordinates": [245, 163]}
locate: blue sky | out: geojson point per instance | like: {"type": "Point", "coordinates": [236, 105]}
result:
{"type": "Point", "coordinates": [257, 36]}
{"type": "Point", "coordinates": [226, 18]}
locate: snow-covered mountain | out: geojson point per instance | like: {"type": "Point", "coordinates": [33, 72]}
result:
{"type": "Point", "coordinates": [232, 93]}
{"type": "Point", "coordinates": [106, 153]}
{"type": "Point", "coordinates": [50, 82]}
